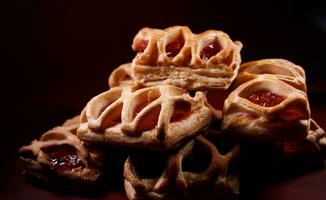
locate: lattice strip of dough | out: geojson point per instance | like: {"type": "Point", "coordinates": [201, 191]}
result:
{"type": "Point", "coordinates": [287, 120]}
{"type": "Point", "coordinates": [175, 180]}
{"type": "Point", "coordinates": [174, 56]}
{"type": "Point", "coordinates": [284, 70]}
{"type": "Point", "coordinates": [38, 161]}
{"type": "Point", "coordinates": [155, 117]}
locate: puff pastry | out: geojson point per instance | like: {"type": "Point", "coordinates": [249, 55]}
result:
{"type": "Point", "coordinates": [267, 108]}
{"type": "Point", "coordinates": [214, 99]}
{"type": "Point", "coordinates": [284, 70]}
{"type": "Point", "coordinates": [121, 76]}
{"type": "Point", "coordinates": [59, 156]}
{"type": "Point", "coordinates": [317, 135]}
{"type": "Point", "coordinates": [176, 56]}
{"type": "Point", "coordinates": [182, 174]}
{"type": "Point", "coordinates": [158, 117]}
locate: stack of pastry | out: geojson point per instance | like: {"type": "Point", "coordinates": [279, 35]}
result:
{"type": "Point", "coordinates": [166, 109]}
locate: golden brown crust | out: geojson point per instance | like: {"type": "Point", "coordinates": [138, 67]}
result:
{"type": "Point", "coordinates": [284, 70]}
{"type": "Point", "coordinates": [39, 162]}
{"type": "Point", "coordinates": [288, 120]}
{"type": "Point", "coordinates": [186, 68]}
{"type": "Point", "coordinates": [317, 135]}
{"type": "Point", "coordinates": [121, 76]}
{"type": "Point", "coordinates": [178, 178]}
{"type": "Point", "coordinates": [154, 118]}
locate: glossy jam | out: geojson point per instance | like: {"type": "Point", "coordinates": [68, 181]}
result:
{"type": "Point", "coordinates": [181, 111]}
{"type": "Point", "coordinates": [141, 46]}
{"type": "Point", "coordinates": [173, 48]}
{"type": "Point", "coordinates": [63, 157]}
{"type": "Point", "coordinates": [210, 50]}
{"type": "Point", "coordinates": [149, 120]}
{"type": "Point", "coordinates": [266, 98]}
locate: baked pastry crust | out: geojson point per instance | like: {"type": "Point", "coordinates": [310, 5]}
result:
{"type": "Point", "coordinates": [121, 76]}
{"type": "Point", "coordinates": [60, 156]}
{"type": "Point", "coordinates": [183, 64]}
{"type": "Point", "coordinates": [288, 120]}
{"type": "Point", "coordinates": [284, 70]}
{"type": "Point", "coordinates": [317, 135]}
{"type": "Point", "coordinates": [158, 117]}
{"type": "Point", "coordinates": [179, 177]}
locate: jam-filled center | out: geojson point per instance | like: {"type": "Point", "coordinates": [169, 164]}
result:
{"type": "Point", "coordinates": [173, 48]}
{"type": "Point", "coordinates": [141, 46]}
{"type": "Point", "coordinates": [266, 98]}
{"type": "Point", "coordinates": [210, 50]}
{"type": "Point", "coordinates": [63, 157]}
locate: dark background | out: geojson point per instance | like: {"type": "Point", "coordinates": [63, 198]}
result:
{"type": "Point", "coordinates": [57, 54]}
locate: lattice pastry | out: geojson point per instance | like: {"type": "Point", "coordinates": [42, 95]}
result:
{"type": "Point", "coordinates": [196, 170]}
{"type": "Point", "coordinates": [284, 70]}
{"type": "Point", "coordinates": [267, 108]}
{"type": "Point", "coordinates": [59, 156]}
{"type": "Point", "coordinates": [158, 117]}
{"type": "Point", "coordinates": [121, 76]}
{"type": "Point", "coordinates": [176, 56]}
{"type": "Point", "coordinates": [214, 99]}
{"type": "Point", "coordinates": [317, 135]}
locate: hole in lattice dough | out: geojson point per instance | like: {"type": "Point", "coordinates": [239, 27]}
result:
{"type": "Point", "coordinates": [198, 160]}
{"type": "Point", "coordinates": [143, 99]}
{"type": "Point", "coordinates": [181, 111]}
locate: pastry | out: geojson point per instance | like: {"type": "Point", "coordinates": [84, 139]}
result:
{"type": "Point", "coordinates": [158, 117]}
{"type": "Point", "coordinates": [284, 70]}
{"type": "Point", "coordinates": [121, 76]}
{"type": "Point", "coordinates": [60, 157]}
{"type": "Point", "coordinates": [317, 135]}
{"type": "Point", "coordinates": [267, 108]}
{"type": "Point", "coordinates": [196, 170]}
{"type": "Point", "coordinates": [176, 56]}
{"type": "Point", "coordinates": [214, 99]}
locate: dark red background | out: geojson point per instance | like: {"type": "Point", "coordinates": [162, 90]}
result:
{"type": "Point", "coordinates": [58, 54]}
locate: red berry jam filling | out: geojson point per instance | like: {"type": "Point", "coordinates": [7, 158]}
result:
{"type": "Point", "coordinates": [266, 98]}
{"type": "Point", "coordinates": [210, 50]}
{"type": "Point", "coordinates": [63, 157]}
{"type": "Point", "coordinates": [173, 48]}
